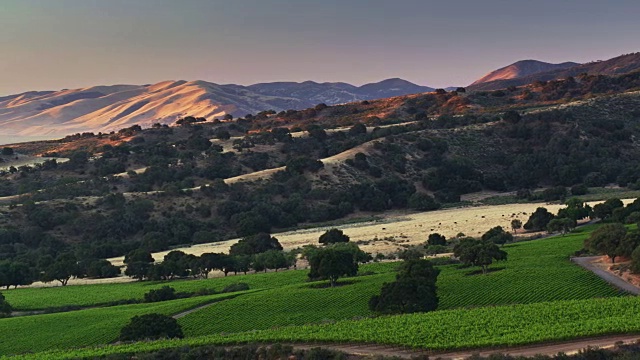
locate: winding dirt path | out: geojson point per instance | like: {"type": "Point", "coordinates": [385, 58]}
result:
{"type": "Point", "coordinates": [185, 313]}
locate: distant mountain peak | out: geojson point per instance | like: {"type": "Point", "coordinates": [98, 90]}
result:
{"type": "Point", "coordinates": [522, 68]}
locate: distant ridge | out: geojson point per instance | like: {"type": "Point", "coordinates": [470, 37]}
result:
{"type": "Point", "coordinates": [615, 66]}
{"type": "Point", "coordinates": [522, 68]}
{"type": "Point", "coordinates": [109, 108]}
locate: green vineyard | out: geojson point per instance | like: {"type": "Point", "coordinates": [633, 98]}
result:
{"type": "Point", "coordinates": [437, 331]}
{"type": "Point", "coordinates": [536, 272]}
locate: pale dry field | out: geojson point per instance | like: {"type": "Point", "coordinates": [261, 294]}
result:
{"type": "Point", "coordinates": [26, 160]}
{"type": "Point", "coordinates": [403, 228]}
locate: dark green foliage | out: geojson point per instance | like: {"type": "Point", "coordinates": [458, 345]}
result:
{"type": "Point", "coordinates": [516, 224]}
{"type": "Point", "coordinates": [474, 252]}
{"type": "Point", "coordinates": [333, 236]}
{"type": "Point", "coordinates": [101, 269]}
{"type": "Point", "coordinates": [222, 134]}
{"type": "Point", "coordinates": [62, 269]}
{"type": "Point", "coordinates": [411, 254]}
{"type": "Point", "coordinates": [608, 239]}
{"type": "Point", "coordinates": [359, 161]}
{"type": "Point", "coordinates": [358, 255]}
{"type": "Point", "coordinates": [13, 273]}
{"type": "Point", "coordinates": [413, 291]}
{"type": "Point", "coordinates": [423, 202]}
{"type": "Point", "coordinates": [562, 225]}
{"type": "Point", "coordinates": [579, 189]}
{"type": "Point", "coordinates": [163, 294]}
{"type": "Point", "coordinates": [511, 117]}
{"type": "Point", "coordinates": [457, 176]}
{"type": "Point", "coordinates": [539, 220]}
{"type": "Point", "coordinates": [255, 244]}
{"type": "Point", "coordinates": [498, 236]}
{"type": "Point", "coordinates": [554, 193]}
{"type": "Point", "coordinates": [357, 129]}
{"type": "Point", "coordinates": [5, 308]}
{"type": "Point", "coordinates": [301, 164]}
{"type": "Point", "coordinates": [138, 262]}
{"type": "Point", "coordinates": [272, 259]}
{"type": "Point", "coordinates": [604, 211]}
{"type": "Point", "coordinates": [235, 287]}
{"type": "Point", "coordinates": [332, 263]}
{"type": "Point", "coordinates": [436, 239]}
{"type": "Point", "coordinates": [215, 261]}
{"type": "Point", "coordinates": [7, 151]}
{"type": "Point", "coordinates": [635, 260]}
{"type": "Point", "coordinates": [576, 210]}
{"type": "Point", "coordinates": [151, 327]}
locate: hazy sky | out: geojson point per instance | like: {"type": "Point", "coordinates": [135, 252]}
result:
{"type": "Point", "coordinates": [49, 45]}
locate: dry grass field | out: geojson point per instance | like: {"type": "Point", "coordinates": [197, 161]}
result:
{"type": "Point", "coordinates": [396, 229]}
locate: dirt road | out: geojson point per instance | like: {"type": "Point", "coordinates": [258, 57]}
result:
{"type": "Point", "coordinates": [587, 263]}
{"type": "Point", "coordinates": [568, 347]}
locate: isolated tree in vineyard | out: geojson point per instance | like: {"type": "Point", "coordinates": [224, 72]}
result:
{"type": "Point", "coordinates": [151, 327]}
{"type": "Point", "coordinates": [331, 264]}
{"type": "Point", "coordinates": [475, 252]}
{"type": "Point", "coordinates": [413, 291]}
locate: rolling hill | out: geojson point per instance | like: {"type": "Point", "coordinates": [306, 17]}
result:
{"type": "Point", "coordinates": [108, 108]}
{"type": "Point", "coordinates": [508, 76]}
{"type": "Point", "coordinates": [522, 68]}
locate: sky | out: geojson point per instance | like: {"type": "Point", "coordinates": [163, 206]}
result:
{"type": "Point", "coordinates": [51, 45]}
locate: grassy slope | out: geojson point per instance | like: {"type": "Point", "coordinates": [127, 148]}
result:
{"type": "Point", "coordinates": [83, 327]}
{"type": "Point", "coordinates": [536, 271]}
{"type": "Point", "coordinates": [88, 295]}
{"type": "Point", "coordinates": [440, 330]}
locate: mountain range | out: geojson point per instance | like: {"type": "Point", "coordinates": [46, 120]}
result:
{"type": "Point", "coordinates": [109, 108]}
{"type": "Point", "coordinates": [54, 114]}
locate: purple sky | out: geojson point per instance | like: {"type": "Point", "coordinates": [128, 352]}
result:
{"type": "Point", "coordinates": [49, 45]}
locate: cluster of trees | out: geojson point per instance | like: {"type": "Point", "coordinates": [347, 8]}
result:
{"type": "Point", "coordinates": [61, 268]}
{"type": "Point", "coordinates": [259, 252]}
{"type": "Point", "coordinates": [611, 210]}
{"type": "Point", "coordinates": [613, 240]}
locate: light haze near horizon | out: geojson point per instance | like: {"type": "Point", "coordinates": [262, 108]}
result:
{"type": "Point", "coordinates": [50, 45]}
